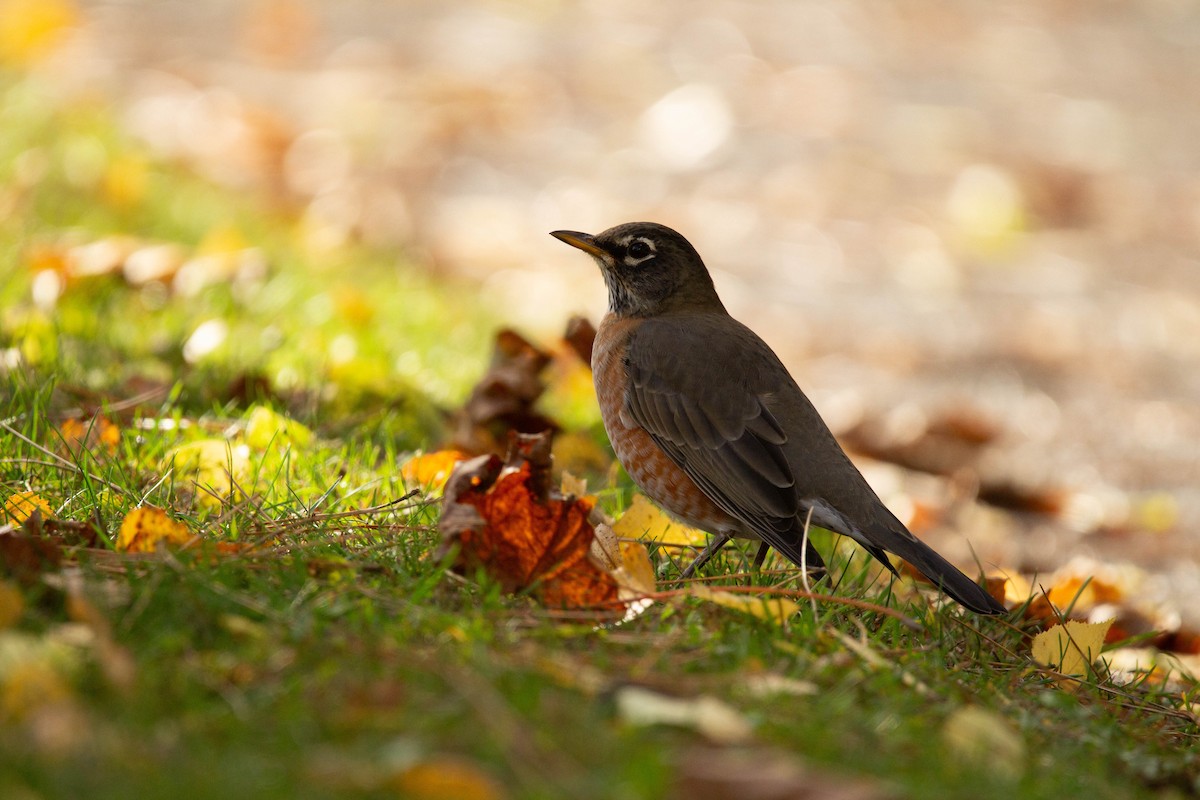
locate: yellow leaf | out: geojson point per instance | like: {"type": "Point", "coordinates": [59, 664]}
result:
{"type": "Point", "coordinates": [573, 487]}
{"type": "Point", "coordinates": [215, 465]}
{"type": "Point", "coordinates": [266, 428]}
{"type": "Point", "coordinates": [636, 567]}
{"type": "Point", "coordinates": [31, 29]}
{"type": "Point", "coordinates": [430, 469]}
{"type": "Point", "coordinates": [1070, 648]}
{"type": "Point", "coordinates": [643, 520]}
{"type": "Point", "coordinates": [775, 609]}
{"type": "Point", "coordinates": [143, 529]}
{"type": "Point", "coordinates": [628, 562]}
{"type": "Point", "coordinates": [21, 506]}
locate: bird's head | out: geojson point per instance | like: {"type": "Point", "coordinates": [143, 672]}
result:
{"type": "Point", "coordinates": [649, 269]}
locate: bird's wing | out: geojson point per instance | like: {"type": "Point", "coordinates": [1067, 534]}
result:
{"type": "Point", "coordinates": [717, 400]}
{"type": "Point", "coordinates": [702, 395]}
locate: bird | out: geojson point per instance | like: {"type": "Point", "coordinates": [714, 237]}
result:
{"type": "Point", "coordinates": [712, 427]}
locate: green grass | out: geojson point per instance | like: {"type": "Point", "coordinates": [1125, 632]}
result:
{"type": "Point", "coordinates": [339, 652]}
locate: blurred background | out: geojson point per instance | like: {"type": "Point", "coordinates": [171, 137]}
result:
{"type": "Point", "coordinates": [978, 221]}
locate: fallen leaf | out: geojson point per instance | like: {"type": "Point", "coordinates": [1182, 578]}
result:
{"type": "Point", "coordinates": [431, 470]}
{"type": "Point", "coordinates": [708, 716]}
{"type": "Point", "coordinates": [504, 398]}
{"type": "Point", "coordinates": [773, 609]}
{"type": "Point", "coordinates": [20, 506]}
{"type": "Point", "coordinates": [508, 522]}
{"type": "Point", "coordinates": [94, 433]}
{"type": "Point", "coordinates": [572, 486]}
{"type": "Point", "coordinates": [144, 528]}
{"type": "Point", "coordinates": [216, 466]}
{"type": "Point", "coordinates": [628, 562]}
{"type": "Point", "coordinates": [644, 520]}
{"type": "Point", "coordinates": [447, 778]}
{"type": "Point", "coordinates": [1070, 648]}
{"type": "Point", "coordinates": [580, 336]}
{"type": "Point", "coordinates": [269, 429]}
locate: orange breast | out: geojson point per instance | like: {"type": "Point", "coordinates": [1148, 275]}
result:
{"type": "Point", "coordinates": [659, 477]}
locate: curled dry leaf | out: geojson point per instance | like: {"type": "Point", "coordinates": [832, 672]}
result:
{"type": "Point", "coordinates": [579, 337]}
{"type": "Point", "coordinates": [509, 522]}
{"type": "Point", "coordinates": [628, 562]}
{"type": "Point", "coordinates": [504, 398]}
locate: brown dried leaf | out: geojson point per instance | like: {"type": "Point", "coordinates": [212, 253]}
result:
{"type": "Point", "coordinates": [503, 400]}
{"type": "Point", "coordinates": [580, 336]}
{"type": "Point", "coordinates": [522, 533]}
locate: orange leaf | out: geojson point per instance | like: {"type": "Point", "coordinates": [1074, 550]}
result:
{"type": "Point", "coordinates": [503, 524]}
{"type": "Point", "coordinates": [430, 469]}
{"type": "Point", "coordinates": [447, 778]}
{"type": "Point", "coordinates": [144, 528]}
{"type": "Point", "coordinates": [92, 433]}
{"type": "Point", "coordinates": [20, 506]}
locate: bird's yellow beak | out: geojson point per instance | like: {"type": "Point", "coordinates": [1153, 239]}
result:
{"type": "Point", "coordinates": [584, 241]}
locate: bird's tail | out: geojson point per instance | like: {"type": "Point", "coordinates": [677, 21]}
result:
{"type": "Point", "coordinates": [944, 575]}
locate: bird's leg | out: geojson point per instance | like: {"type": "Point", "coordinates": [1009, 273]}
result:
{"type": "Point", "coordinates": [761, 555]}
{"type": "Point", "coordinates": [718, 541]}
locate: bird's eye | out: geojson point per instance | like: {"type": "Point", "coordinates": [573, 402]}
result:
{"type": "Point", "coordinates": [639, 248]}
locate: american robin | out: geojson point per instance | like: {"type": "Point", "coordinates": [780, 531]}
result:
{"type": "Point", "coordinates": [708, 422]}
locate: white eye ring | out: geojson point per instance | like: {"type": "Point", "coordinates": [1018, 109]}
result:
{"type": "Point", "coordinates": [633, 261]}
